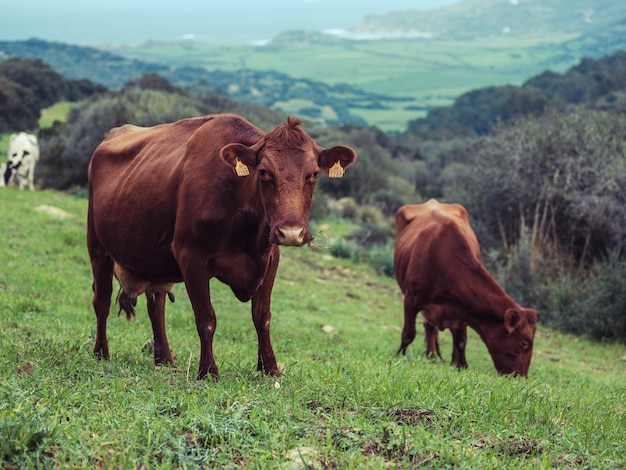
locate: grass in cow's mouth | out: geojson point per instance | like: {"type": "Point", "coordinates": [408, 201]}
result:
{"type": "Point", "coordinates": [343, 401]}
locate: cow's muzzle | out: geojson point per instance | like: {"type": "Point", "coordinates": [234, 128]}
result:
{"type": "Point", "coordinates": [291, 236]}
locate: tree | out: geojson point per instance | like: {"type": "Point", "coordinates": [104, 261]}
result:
{"type": "Point", "coordinates": [28, 86]}
{"type": "Point", "coordinates": [19, 108]}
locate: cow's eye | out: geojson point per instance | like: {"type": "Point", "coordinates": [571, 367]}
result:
{"type": "Point", "coordinates": [266, 176]}
{"type": "Point", "coordinates": [525, 345]}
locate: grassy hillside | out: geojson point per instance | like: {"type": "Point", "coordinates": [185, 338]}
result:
{"type": "Point", "coordinates": [344, 400]}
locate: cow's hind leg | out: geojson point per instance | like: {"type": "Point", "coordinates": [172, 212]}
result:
{"type": "Point", "coordinates": [102, 268]}
{"type": "Point", "coordinates": [432, 340]}
{"type": "Point", "coordinates": [459, 340]}
{"type": "Point", "coordinates": [156, 311]}
{"type": "Point", "coordinates": [408, 330]}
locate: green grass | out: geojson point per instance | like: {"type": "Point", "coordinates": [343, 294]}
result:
{"type": "Point", "coordinates": [343, 401]}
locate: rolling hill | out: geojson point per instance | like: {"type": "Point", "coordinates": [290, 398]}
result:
{"type": "Point", "coordinates": [473, 19]}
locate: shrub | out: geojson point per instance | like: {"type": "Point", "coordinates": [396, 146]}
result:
{"type": "Point", "coordinates": [341, 248]}
{"type": "Point", "coordinates": [319, 206]}
{"type": "Point", "coordinates": [561, 175]}
{"type": "Point", "coordinates": [519, 273]}
{"type": "Point", "coordinates": [387, 201]}
{"type": "Point", "coordinates": [346, 207]}
{"type": "Point", "coordinates": [592, 305]}
{"type": "Point", "coordinates": [19, 107]}
{"type": "Point", "coordinates": [371, 215]}
{"type": "Point", "coordinates": [370, 234]}
{"type": "Point", "coordinates": [380, 257]}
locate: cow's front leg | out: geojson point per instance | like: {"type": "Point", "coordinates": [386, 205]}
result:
{"type": "Point", "coordinates": [459, 340]}
{"type": "Point", "coordinates": [196, 278]}
{"type": "Point", "coordinates": [206, 322]}
{"type": "Point", "coordinates": [156, 311]}
{"type": "Point", "coordinates": [262, 316]}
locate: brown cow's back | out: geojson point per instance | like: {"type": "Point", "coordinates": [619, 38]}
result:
{"type": "Point", "coordinates": [431, 235]}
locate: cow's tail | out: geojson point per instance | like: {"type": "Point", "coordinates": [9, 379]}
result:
{"type": "Point", "coordinates": [127, 303]}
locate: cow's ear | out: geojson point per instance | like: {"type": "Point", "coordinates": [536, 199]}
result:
{"type": "Point", "coordinates": [239, 157]}
{"type": "Point", "coordinates": [511, 319]}
{"type": "Point", "coordinates": [334, 160]}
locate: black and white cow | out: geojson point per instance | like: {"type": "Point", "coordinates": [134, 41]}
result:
{"type": "Point", "coordinates": [23, 156]}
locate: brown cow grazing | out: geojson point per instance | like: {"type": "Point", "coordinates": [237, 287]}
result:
{"type": "Point", "coordinates": [200, 198]}
{"type": "Point", "coordinates": [438, 268]}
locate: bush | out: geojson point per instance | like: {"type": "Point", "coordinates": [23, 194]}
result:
{"type": "Point", "coordinates": [380, 257]}
{"type": "Point", "coordinates": [371, 215]}
{"type": "Point", "coordinates": [519, 273]}
{"type": "Point", "coordinates": [346, 207]}
{"type": "Point", "coordinates": [387, 201]}
{"type": "Point", "coordinates": [19, 107]}
{"type": "Point", "coordinates": [370, 234]}
{"type": "Point", "coordinates": [341, 248]}
{"type": "Point", "coordinates": [319, 206]}
{"type": "Point", "coordinates": [595, 305]}
{"type": "Point", "coordinates": [560, 175]}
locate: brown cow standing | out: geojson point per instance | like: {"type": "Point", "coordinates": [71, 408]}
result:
{"type": "Point", "coordinates": [205, 197]}
{"type": "Point", "coordinates": [438, 268]}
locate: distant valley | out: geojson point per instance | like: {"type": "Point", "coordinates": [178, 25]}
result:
{"type": "Point", "coordinates": [468, 45]}
{"type": "Point", "coordinates": [330, 79]}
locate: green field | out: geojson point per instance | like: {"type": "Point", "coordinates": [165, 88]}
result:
{"type": "Point", "coordinates": [344, 400]}
{"type": "Point", "coordinates": [427, 73]}
{"type": "Point", "coordinates": [56, 112]}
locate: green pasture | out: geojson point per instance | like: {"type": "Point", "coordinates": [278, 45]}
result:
{"type": "Point", "coordinates": [427, 73]}
{"type": "Point", "coordinates": [56, 112]}
{"type": "Point", "coordinates": [344, 399]}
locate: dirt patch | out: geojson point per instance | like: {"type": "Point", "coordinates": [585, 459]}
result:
{"type": "Point", "coordinates": [53, 211]}
{"type": "Point", "coordinates": [510, 446]}
{"type": "Point", "coordinates": [408, 416]}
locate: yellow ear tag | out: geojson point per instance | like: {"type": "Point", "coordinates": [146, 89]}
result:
{"type": "Point", "coordinates": [336, 171]}
{"type": "Point", "coordinates": [241, 169]}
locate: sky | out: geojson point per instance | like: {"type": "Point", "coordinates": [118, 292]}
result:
{"type": "Point", "coordinates": [133, 22]}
